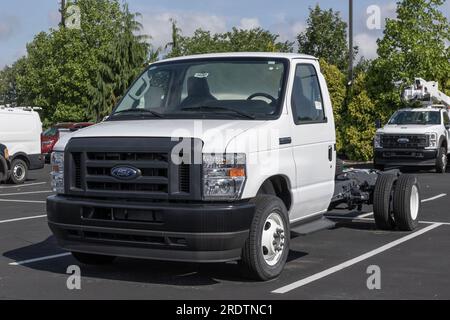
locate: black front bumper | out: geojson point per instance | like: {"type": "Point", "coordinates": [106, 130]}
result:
{"type": "Point", "coordinates": [402, 157]}
{"type": "Point", "coordinates": [196, 232]}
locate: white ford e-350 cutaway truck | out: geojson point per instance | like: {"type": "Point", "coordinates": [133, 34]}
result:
{"type": "Point", "coordinates": [214, 158]}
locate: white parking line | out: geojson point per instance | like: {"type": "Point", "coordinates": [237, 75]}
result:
{"type": "Point", "coordinates": [18, 263]}
{"type": "Point", "coordinates": [24, 218]}
{"type": "Point", "coordinates": [20, 193]}
{"type": "Point", "coordinates": [435, 197]}
{"type": "Point", "coordinates": [353, 261]}
{"type": "Point", "coordinates": [26, 201]}
{"type": "Point", "coordinates": [23, 185]}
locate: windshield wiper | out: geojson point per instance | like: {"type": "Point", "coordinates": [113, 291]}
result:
{"type": "Point", "coordinates": [217, 108]}
{"type": "Point", "coordinates": [153, 113]}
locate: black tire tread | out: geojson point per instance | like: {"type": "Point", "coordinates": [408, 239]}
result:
{"type": "Point", "coordinates": [249, 260]}
{"type": "Point", "coordinates": [11, 176]}
{"type": "Point", "coordinates": [402, 196]}
{"type": "Point", "coordinates": [439, 165]}
{"type": "Point", "coordinates": [381, 201]}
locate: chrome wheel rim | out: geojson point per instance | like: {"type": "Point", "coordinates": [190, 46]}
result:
{"type": "Point", "coordinates": [444, 161]}
{"type": "Point", "coordinates": [414, 202]}
{"type": "Point", "coordinates": [19, 172]}
{"type": "Point", "coordinates": [273, 239]}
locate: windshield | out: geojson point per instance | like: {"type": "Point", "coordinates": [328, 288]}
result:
{"type": "Point", "coordinates": [50, 132]}
{"type": "Point", "coordinates": [208, 88]}
{"type": "Point", "coordinates": [416, 117]}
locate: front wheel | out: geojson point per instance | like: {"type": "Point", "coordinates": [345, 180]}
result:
{"type": "Point", "coordinates": [266, 249]}
{"type": "Point", "coordinates": [441, 160]}
{"type": "Point", "coordinates": [19, 171]}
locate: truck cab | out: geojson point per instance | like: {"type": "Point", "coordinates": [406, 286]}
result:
{"type": "Point", "coordinates": [414, 137]}
{"type": "Point", "coordinates": [210, 158]}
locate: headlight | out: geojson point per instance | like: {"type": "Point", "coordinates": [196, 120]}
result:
{"type": "Point", "coordinates": [57, 174]}
{"type": "Point", "coordinates": [223, 176]}
{"type": "Point", "coordinates": [432, 139]}
{"type": "Point", "coordinates": [377, 141]}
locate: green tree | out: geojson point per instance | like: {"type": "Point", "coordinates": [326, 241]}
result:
{"type": "Point", "coordinates": [325, 37]}
{"type": "Point", "coordinates": [9, 90]}
{"type": "Point", "coordinates": [413, 45]}
{"type": "Point", "coordinates": [77, 75]}
{"type": "Point", "coordinates": [235, 40]}
{"type": "Point", "coordinates": [336, 82]}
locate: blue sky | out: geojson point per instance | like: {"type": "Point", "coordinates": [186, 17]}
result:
{"type": "Point", "coordinates": [20, 20]}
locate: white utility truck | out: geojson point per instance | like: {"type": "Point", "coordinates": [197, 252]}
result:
{"type": "Point", "coordinates": [416, 136]}
{"type": "Point", "coordinates": [214, 158]}
{"type": "Point", "coordinates": [20, 132]}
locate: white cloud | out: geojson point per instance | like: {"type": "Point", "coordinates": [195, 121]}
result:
{"type": "Point", "coordinates": [158, 25]}
{"type": "Point", "coordinates": [249, 23]}
{"type": "Point", "coordinates": [367, 44]}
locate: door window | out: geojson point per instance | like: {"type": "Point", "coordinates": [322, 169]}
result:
{"type": "Point", "coordinates": [307, 102]}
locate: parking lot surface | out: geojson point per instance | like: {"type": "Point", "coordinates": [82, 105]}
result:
{"type": "Point", "coordinates": [330, 264]}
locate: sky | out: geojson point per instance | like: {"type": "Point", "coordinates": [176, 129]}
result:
{"type": "Point", "coordinates": [21, 20]}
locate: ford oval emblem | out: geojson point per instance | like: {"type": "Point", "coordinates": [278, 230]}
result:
{"type": "Point", "coordinates": [403, 140]}
{"type": "Point", "coordinates": [125, 172]}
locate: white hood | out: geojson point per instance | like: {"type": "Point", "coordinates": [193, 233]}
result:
{"type": "Point", "coordinates": [216, 134]}
{"type": "Point", "coordinates": [409, 129]}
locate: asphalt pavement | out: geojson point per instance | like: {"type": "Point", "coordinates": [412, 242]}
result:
{"type": "Point", "coordinates": [330, 264]}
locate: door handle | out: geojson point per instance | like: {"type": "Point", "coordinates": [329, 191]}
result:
{"type": "Point", "coordinates": [330, 153]}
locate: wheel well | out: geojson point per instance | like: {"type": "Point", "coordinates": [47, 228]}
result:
{"type": "Point", "coordinates": [444, 144]}
{"type": "Point", "coordinates": [278, 186]}
{"type": "Point", "coordinates": [23, 157]}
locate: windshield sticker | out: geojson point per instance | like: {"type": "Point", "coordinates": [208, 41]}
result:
{"type": "Point", "coordinates": [271, 62]}
{"type": "Point", "coordinates": [201, 75]}
{"type": "Point", "coordinates": [318, 105]}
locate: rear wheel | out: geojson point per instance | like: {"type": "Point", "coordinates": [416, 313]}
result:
{"type": "Point", "coordinates": [94, 259]}
{"type": "Point", "coordinates": [382, 201]}
{"type": "Point", "coordinates": [19, 171]}
{"type": "Point", "coordinates": [407, 202]}
{"type": "Point", "coordinates": [441, 160]}
{"type": "Point", "coordinates": [265, 251]}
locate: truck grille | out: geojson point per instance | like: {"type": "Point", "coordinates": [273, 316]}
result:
{"type": "Point", "coordinates": [404, 141]}
{"type": "Point", "coordinates": [90, 165]}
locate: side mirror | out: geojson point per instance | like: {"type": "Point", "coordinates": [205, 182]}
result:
{"type": "Point", "coordinates": [447, 126]}
{"type": "Point", "coordinates": [378, 124]}
{"type": "Point", "coordinates": [105, 118]}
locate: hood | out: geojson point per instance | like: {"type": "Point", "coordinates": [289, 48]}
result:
{"type": "Point", "coordinates": [216, 134]}
{"type": "Point", "coordinates": [409, 129]}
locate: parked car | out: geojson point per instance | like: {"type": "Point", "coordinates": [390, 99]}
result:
{"type": "Point", "coordinates": [214, 158]}
{"type": "Point", "coordinates": [20, 132]}
{"type": "Point", "coordinates": [50, 136]}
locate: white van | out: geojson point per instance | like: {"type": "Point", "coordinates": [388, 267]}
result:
{"type": "Point", "coordinates": [20, 132]}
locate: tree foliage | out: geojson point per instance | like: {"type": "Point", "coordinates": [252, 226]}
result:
{"type": "Point", "coordinates": [203, 41]}
{"type": "Point", "coordinates": [78, 74]}
{"type": "Point", "coordinates": [325, 37]}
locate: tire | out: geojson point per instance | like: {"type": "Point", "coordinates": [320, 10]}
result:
{"type": "Point", "coordinates": [441, 160]}
{"type": "Point", "coordinates": [93, 259]}
{"type": "Point", "coordinates": [260, 259]}
{"type": "Point", "coordinates": [382, 201]}
{"type": "Point", "coordinates": [407, 202]}
{"type": "Point", "coordinates": [19, 171]}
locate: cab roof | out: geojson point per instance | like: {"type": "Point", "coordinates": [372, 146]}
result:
{"type": "Point", "coordinates": [269, 55]}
